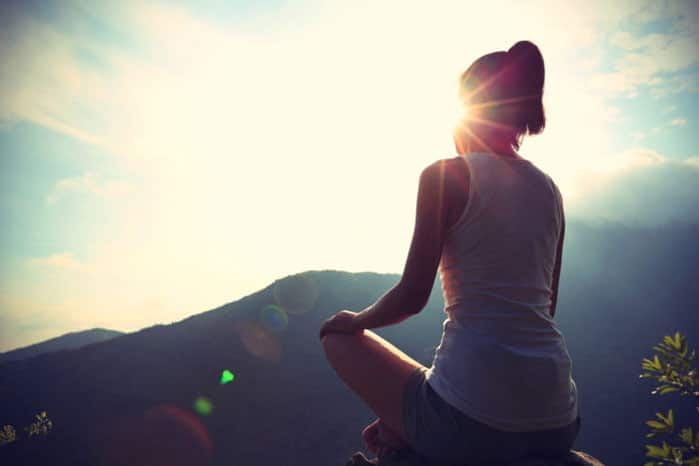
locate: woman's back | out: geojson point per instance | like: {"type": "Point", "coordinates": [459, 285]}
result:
{"type": "Point", "coordinates": [500, 386]}
{"type": "Point", "coordinates": [502, 361]}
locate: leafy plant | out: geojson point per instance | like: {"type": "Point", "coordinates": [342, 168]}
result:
{"type": "Point", "coordinates": [7, 434]}
{"type": "Point", "coordinates": [41, 426]}
{"type": "Point", "coordinates": [673, 368]}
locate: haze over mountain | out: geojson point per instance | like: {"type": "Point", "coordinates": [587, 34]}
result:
{"type": "Point", "coordinates": [131, 400]}
{"type": "Point", "coordinates": [68, 341]}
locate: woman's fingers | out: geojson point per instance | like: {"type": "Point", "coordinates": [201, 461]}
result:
{"type": "Point", "coordinates": [327, 327]}
{"type": "Point", "coordinates": [380, 440]}
{"type": "Point", "coordinates": [370, 436]}
{"type": "Point", "coordinates": [372, 448]}
{"type": "Point", "coordinates": [339, 323]}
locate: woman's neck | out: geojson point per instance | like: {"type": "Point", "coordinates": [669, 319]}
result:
{"type": "Point", "coordinates": [496, 142]}
{"type": "Point", "coordinates": [498, 148]}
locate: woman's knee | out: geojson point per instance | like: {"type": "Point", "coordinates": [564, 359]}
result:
{"type": "Point", "coordinates": [337, 343]}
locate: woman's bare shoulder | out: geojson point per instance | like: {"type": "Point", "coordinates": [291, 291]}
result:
{"type": "Point", "coordinates": [450, 176]}
{"type": "Point", "coordinates": [453, 167]}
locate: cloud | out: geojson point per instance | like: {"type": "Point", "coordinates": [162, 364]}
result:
{"type": "Point", "coordinates": [40, 80]}
{"type": "Point", "coordinates": [643, 187]}
{"type": "Point", "coordinates": [63, 260]}
{"type": "Point", "coordinates": [638, 136]}
{"type": "Point", "coordinates": [240, 134]}
{"type": "Point", "coordinates": [89, 183]}
{"type": "Point", "coordinates": [661, 129]}
{"type": "Point", "coordinates": [634, 159]}
{"type": "Point", "coordinates": [665, 60]}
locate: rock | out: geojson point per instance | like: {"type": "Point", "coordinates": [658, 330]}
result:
{"type": "Point", "coordinates": [405, 458]}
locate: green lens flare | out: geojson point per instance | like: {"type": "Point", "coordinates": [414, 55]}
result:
{"type": "Point", "coordinates": [203, 406]}
{"type": "Point", "coordinates": [227, 376]}
{"type": "Point", "coordinates": [274, 318]}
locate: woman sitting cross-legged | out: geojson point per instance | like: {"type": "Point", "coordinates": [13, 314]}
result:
{"type": "Point", "coordinates": [500, 386]}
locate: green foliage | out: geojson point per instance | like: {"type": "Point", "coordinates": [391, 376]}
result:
{"type": "Point", "coordinates": [7, 435]}
{"type": "Point", "coordinates": [673, 367]}
{"type": "Point", "coordinates": [41, 426]}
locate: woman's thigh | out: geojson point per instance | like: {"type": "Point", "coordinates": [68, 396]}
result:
{"type": "Point", "coordinates": [375, 370]}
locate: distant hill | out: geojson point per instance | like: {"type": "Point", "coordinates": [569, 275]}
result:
{"type": "Point", "coordinates": [68, 341]}
{"type": "Point", "coordinates": [133, 400]}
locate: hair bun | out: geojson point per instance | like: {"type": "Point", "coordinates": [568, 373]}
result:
{"type": "Point", "coordinates": [522, 49]}
{"type": "Point", "coordinates": [528, 64]}
{"type": "Point", "coordinates": [526, 58]}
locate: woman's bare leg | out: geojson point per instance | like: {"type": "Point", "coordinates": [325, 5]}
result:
{"type": "Point", "coordinates": [375, 370]}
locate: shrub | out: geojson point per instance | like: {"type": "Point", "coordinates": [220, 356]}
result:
{"type": "Point", "coordinates": [41, 426]}
{"type": "Point", "coordinates": [7, 434]}
{"type": "Point", "coordinates": [673, 368]}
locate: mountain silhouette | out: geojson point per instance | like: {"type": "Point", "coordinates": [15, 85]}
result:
{"type": "Point", "coordinates": [156, 396]}
{"type": "Point", "coordinates": [68, 341]}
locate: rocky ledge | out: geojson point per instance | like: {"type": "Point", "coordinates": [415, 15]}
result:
{"type": "Point", "coordinates": [573, 458]}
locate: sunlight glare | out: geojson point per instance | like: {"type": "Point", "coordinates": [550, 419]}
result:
{"type": "Point", "coordinates": [460, 112]}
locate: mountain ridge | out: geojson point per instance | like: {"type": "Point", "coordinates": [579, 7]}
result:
{"type": "Point", "coordinates": [620, 294]}
{"type": "Point", "coordinates": [70, 340]}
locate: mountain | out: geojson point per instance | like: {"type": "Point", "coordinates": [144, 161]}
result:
{"type": "Point", "coordinates": [68, 341]}
{"type": "Point", "coordinates": [156, 397]}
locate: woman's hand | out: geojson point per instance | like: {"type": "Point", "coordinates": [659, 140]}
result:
{"type": "Point", "coordinates": [370, 434]}
{"type": "Point", "coordinates": [342, 322]}
{"type": "Point", "coordinates": [380, 440]}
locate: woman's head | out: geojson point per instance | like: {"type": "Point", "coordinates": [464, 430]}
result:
{"type": "Point", "coordinates": [503, 94]}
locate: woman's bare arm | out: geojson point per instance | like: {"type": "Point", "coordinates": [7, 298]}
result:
{"type": "Point", "coordinates": [411, 293]}
{"type": "Point", "coordinates": [557, 269]}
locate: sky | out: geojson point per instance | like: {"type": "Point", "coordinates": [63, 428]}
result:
{"type": "Point", "coordinates": [158, 159]}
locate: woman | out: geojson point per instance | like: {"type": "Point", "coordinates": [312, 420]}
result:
{"type": "Point", "coordinates": [492, 223]}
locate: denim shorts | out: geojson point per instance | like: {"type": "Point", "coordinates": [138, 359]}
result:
{"type": "Point", "coordinates": [438, 432]}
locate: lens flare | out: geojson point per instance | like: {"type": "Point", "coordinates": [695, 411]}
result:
{"type": "Point", "coordinates": [296, 294]}
{"type": "Point", "coordinates": [184, 419]}
{"type": "Point", "coordinates": [460, 112]}
{"type": "Point", "coordinates": [227, 376]}
{"type": "Point", "coordinates": [259, 341]}
{"type": "Point", "coordinates": [203, 406]}
{"type": "Point", "coordinates": [164, 435]}
{"type": "Point", "coordinates": [274, 318]}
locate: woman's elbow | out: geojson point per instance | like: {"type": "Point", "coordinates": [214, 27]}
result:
{"type": "Point", "coordinates": [415, 299]}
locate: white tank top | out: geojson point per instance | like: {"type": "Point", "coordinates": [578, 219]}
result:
{"type": "Point", "coordinates": [501, 359]}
